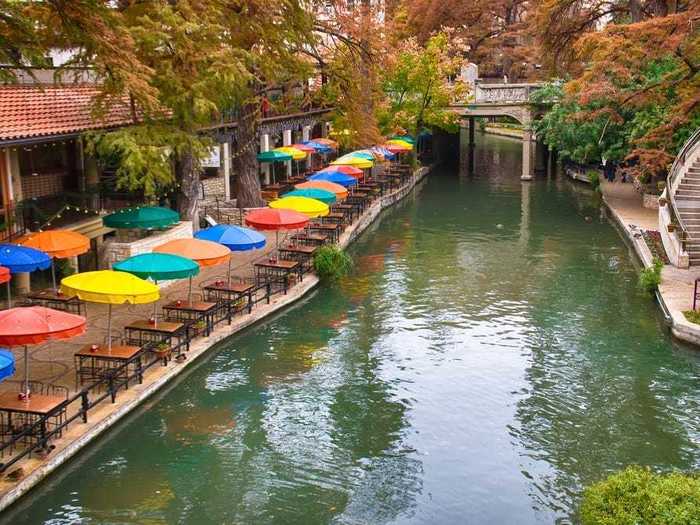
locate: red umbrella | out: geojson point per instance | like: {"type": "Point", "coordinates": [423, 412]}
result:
{"type": "Point", "coordinates": [346, 170]}
{"type": "Point", "coordinates": [36, 324]}
{"type": "Point", "coordinates": [276, 219]}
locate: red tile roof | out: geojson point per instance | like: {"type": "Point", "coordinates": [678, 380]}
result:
{"type": "Point", "coordinates": [28, 111]}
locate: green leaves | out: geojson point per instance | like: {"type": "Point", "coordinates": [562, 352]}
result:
{"type": "Point", "coordinates": [331, 263]}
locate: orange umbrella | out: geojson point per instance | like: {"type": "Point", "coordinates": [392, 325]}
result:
{"type": "Point", "coordinates": [204, 253]}
{"type": "Point", "coordinates": [339, 191]}
{"type": "Point", "coordinates": [57, 244]}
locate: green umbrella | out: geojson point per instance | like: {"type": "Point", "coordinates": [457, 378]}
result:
{"type": "Point", "coordinates": [144, 218]}
{"type": "Point", "coordinates": [273, 156]}
{"type": "Point", "coordinates": [405, 138]}
{"type": "Point", "coordinates": [159, 267]}
{"type": "Point", "coordinates": [324, 196]}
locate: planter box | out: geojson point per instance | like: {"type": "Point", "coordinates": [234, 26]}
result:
{"type": "Point", "coordinates": [650, 201]}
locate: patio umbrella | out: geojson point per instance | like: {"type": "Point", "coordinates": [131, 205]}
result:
{"type": "Point", "coordinates": [340, 191]}
{"type": "Point", "coordinates": [338, 178]}
{"type": "Point", "coordinates": [7, 363]}
{"type": "Point", "coordinates": [142, 218]}
{"type": "Point", "coordinates": [204, 253]}
{"type": "Point", "coordinates": [405, 138]}
{"type": "Point", "coordinates": [388, 155]}
{"type": "Point", "coordinates": [295, 153]}
{"type": "Point", "coordinates": [363, 154]}
{"type": "Point", "coordinates": [235, 238]}
{"type": "Point", "coordinates": [345, 170]}
{"type": "Point", "coordinates": [325, 196]}
{"type": "Point", "coordinates": [318, 147]}
{"type": "Point", "coordinates": [158, 267]}
{"type": "Point", "coordinates": [275, 220]}
{"type": "Point", "coordinates": [273, 156]}
{"type": "Point", "coordinates": [328, 142]}
{"type": "Point", "coordinates": [403, 143]}
{"type": "Point", "coordinates": [110, 288]}
{"type": "Point", "coordinates": [306, 148]}
{"type": "Point", "coordinates": [396, 148]}
{"type": "Point", "coordinates": [349, 160]}
{"type": "Point", "coordinates": [58, 244]}
{"type": "Point", "coordinates": [310, 207]}
{"type": "Point", "coordinates": [20, 259]}
{"type": "Point", "coordinates": [35, 324]}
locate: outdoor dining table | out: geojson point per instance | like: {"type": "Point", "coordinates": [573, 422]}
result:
{"type": "Point", "coordinates": [35, 407]}
{"type": "Point", "coordinates": [333, 230]}
{"type": "Point", "coordinates": [347, 209]}
{"type": "Point", "coordinates": [279, 270]}
{"type": "Point", "coordinates": [230, 292]}
{"type": "Point", "coordinates": [51, 298]}
{"type": "Point", "coordinates": [92, 362]}
{"type": "Point", "coordinates": [193, 311]}
{"type": "Point", "coordinates": [145, 331]}
{"type": "Point", "coordinates": [303, 254]}
{"type": "Point", "coordinates": [314, 239]}
{"type": "Point", "coordinates": [335, 218]}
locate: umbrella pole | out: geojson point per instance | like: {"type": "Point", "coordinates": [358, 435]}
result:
{"type": "Point", "coordinates": [109, 327]}
{"type": "Point", "coordinates": [53, 274]}
{"type": "Point", "coordinates": [228, 277]}
{"type": "Point", "coordinates": [155, 309]}
{"type": "Point", "coordinates": [26, 371]}
{"type": "Point", "coordinates": [189, 293]}
{"type": "Point", "coordinates": [9, 296]}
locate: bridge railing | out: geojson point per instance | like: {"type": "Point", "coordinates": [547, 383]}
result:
{"type": "Point", "coordinates": [504, 93]}
{"type": "Point", "coordinates": [675, 176]}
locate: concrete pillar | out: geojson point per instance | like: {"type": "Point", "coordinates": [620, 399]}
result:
{"type": "Point", "coordinates": [287, 141]}
{"type": "Point", "coordinates": [12, 159]}
{"type": "Point", "coordinates": [21, 283]}
{"type": "Point", "coordinates": [528, 154]}
{"type": "Point", "coordinates": [540, 157]}
{"type": "Point", "coordinates": [225, 156]}
{"type": "Point", "coordinates": [305, 133]}
{"type": "Point", "coordinates": [265, 146]}
{"type": "Point", "coordinates": [524, 215]}
{"type": "Point", "coordinates": [472, 125]}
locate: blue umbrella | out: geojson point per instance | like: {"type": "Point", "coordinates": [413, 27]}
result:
{"type": "Point", "coordinates": [320, 148]}
{"type": "Point", "coordinates": [21, 259]}
{"type": "Point", "coordinates": [7, 364]}
{"type": "Point", "coordinates": [338, 178]}
{"type": "Point", "coordinates": [235, 238]}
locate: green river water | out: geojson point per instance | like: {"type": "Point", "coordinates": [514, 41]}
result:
{"type": "Point", "coordinates": [489, 356]}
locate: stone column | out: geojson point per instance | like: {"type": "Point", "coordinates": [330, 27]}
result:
{"type": "Point", "coordinates": [287, 141]}
{"type": "Point", "coordinates": [225, 156]}
{"type": "Point", "coordinates": [540, 157]}
{"type": "Point", "coordinates": [528, 154]}
{"type": "Point", "coordinates": [305, 133]}
{"type": "Point", "coordinates": [265, 146]}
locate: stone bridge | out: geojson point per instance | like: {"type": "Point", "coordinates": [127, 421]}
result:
{"type": "Point", "coordinates": [498, 100]}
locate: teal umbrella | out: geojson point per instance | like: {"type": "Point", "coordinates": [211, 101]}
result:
{"type": "Point", "coordinates": [405, 138]}
{"type": "Point", "coordinates": [273, 156]}
{"type": "Point", "coordinates": [159, 267]}
{"type": "Point", "coordinates": [326, 197]}
{"type": "Point", "coordinates": [144, 218]}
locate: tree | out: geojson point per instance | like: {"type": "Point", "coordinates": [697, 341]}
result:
{"type": "Point", "coordinates": [418, 85]}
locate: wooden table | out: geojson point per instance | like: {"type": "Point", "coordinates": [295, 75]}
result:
{"type": "Point", "coordinates": [36, 407]}
{"type": "Point", "coordinates": [302, 253]}
{"type": "Point", "coordinates": [335, 218]}
{"type": "Point", "coordinates": [93, 364]}
{"type": "Point", "coordinates": [332, 229]}
{"type": "Point", "coordinates": [315, 239]}
{"type": "Point", "coordinates": [230, 292]}
{"type": "Point", "coordinates": [143, 331]}
{"type": "Point", "coordinates": [279, 270]}
{"type": "Point", "coordinates": [53, 299]}
{"type": "Point", "coordinates": [192, 311]}
{"type": "Point", "coordinates": [348, 209]}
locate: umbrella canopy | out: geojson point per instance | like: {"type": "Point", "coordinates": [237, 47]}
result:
{"type": "Point", "coordinates": [338, 178]}
{"type": "Point", "coordinates": [328, 142]}
{"type": "Point", "coordinates": [235, 238]}
{"type": "Point", "coordinates": [276, 219]}
{"type": "Point", "coordinates": [362, 153]}
{"type": "Point", "coordinates": [340, 191]}
{"type": "Point", "coordinates": [405, 138]}
{"type": "Point", "coordinates": [4, 275]}
{"type": "Point", "coordinates": [158, 266]}
{"type": "Point", "coordinates": [306, 148]}
{"type": "Point", "coordinates": [345, 170]}
{"type": "Point", "coordinates": [57, 243]}
{"type": "Point", "coordinates": [403, 143]}
{"type": "Point", "coordinates": [388, 155]}
{"type": "Point", "coordinates": [110, 287]}
{"type": "Point", "coordinates": [20, 259]}
{"type": "Point", "coordinates": [296, 154]}
{"type": "Point", "coordinates": [325, 196]}
{"type": "Point", "coordinates": [145, 218]}
{"type": "Point", "coordinates": [358, 162]}
{"type": "Point", "coordinates": [273, 156]}
{"type": "Point", "coordinates": [320, 148]}
{"type": "Point", "coordinates": [204, 253]}
{"type": "Point", "coordinates": [309, 207]}
{"type": "Point", "coordinates": [395, 148]}
{"type": "Point", "coordinates": [36, 324]}
{"type": "Point", "coordinates": [7, 364]}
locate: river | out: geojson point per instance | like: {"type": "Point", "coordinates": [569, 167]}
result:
{"type": "Point", "coordinates": [488, 357]}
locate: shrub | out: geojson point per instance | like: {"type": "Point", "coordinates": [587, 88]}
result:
{"type": "Point", "coordinates": [330, 263]}
{"type": "Point", "coordinates": [692, 316]}
{"type": "Point", "coordinates": [594, 177]}
{"type": "Point", "coordinates": [650, 278]}
{"type": "Point", "coordinates": [638, 496]}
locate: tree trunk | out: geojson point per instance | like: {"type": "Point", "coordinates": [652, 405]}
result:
{"type": "Point", "coordinates": [245, 163]}
{"type": "Point", "coordinates": [187, 174]}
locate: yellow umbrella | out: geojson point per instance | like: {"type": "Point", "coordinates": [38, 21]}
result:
{"type": "Point", "coordinates": [296, 154]}
{"type": "Point", "coordinates": [358, 162]}
{"type": "Point", "coordinates": [309, 207]}
{"type": "Point", "coordinates": [110, 287]}
{"type": "Point", "coordinates": [403, 143]}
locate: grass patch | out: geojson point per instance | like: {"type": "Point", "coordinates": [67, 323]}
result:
{"type": "Point", "coordinates": [692, 316]}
